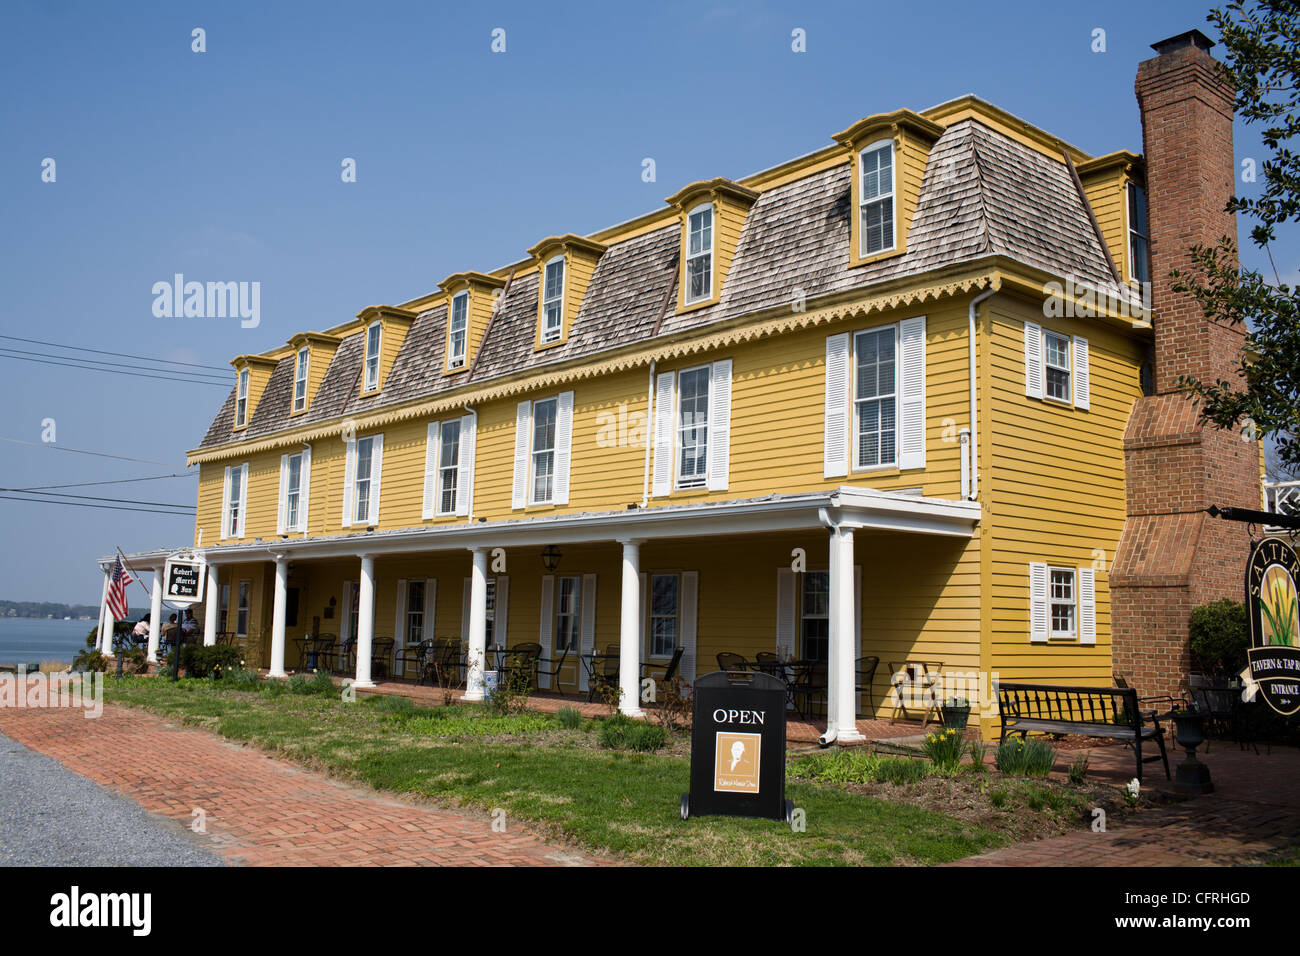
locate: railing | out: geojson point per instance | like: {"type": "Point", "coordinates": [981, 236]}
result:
{"type": "Point", "coordinates": [1282, 496]}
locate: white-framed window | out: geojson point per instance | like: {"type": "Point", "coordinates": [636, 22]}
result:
{"type": "Point", "coordinates": [542, 464]}
{"type": "Point", "coordinates": [1057, 366]}
{"type": "Point", "coordinates": [361, 480]}
{"type": "Point", "coordinates": [491, 611]}
{"type": "Point", "coordinates": [458, 330]}
{"type": "Point", "coordinates": [693, 427]}
{"type": "Point", "coordinates": [665, 614]}
{"type": "Point", "coordinates": [876, 198]}
{"type": "Point", "coordinates": [814, 616]}
{"type": "Point", "coordinates": [223, 616]}
{"type": "Point", "coordinates": [875, 397]}
{"type": "Point", "coordinates": [568, 612]}
{"type": "Point", "coordinates": [413, 625]}
{"type": "Point", "coordinates": [241, 399]}
{"type": "Point", "coordinates": [1056, 363]}
{"type": "Point", "coordinates": [543, 451]}
{"type": "Point", "coordinates": [300, 380]}
{"type": "Point", "coordinates": [234, 501]}
{"type": "Point", "coordinates": [553, 300]}
{"type": "Point", "coordinates": [295, 483]}
{"type": "Point", "coordinates": [1139, 235]}
{"type": "Point", "coordinates": [448, 466]}
{"type": "Point", "coordinates": [372, 356]}
{"type": "Point", "coordinates": [241, 610]}
{"type": "Point", "coordinates": [699, 254]}
{"type": "Point", "coordinates": [1061, 602]}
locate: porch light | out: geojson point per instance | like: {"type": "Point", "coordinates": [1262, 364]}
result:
{"type": "Point", "coordinates": [550, 557]}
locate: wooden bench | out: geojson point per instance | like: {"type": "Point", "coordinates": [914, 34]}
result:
{"type": "Point", "coordinates": [1087, 711]}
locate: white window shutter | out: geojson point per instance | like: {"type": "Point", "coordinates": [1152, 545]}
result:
{"type": "Point", "coordinates": [349, 482]}
{"type": "Point", "coordinates": [429, 508]}
{"type": "Point", "coordinates": [912, 411]}
{"type": "Point", "coordinates": [563, 447]}
{"type": "Point", "coordinates": [225, 505]}
{"type": "Point", "coordinates": [785, 612]}
{"type": "Point", "coordinates": [304, 491]}
{"type": "Point", "coordinates": [376, 474]}
{"type": "Point", "coordinates": [464, 616]}
{"type": "Point", "coordinates": [1081, 372]}
{"type": "Point", "coordinates": [345, 623]}
{"type": "Point", "coordinates": [836, 437]}
{"type": "Point", "coordinates": [1037, 602]}
{"type": "Point", "coordinates": [399, 622]}
{"type": "Point", "coordinates": [719, 425]}
{"type": "Point", "coordinates": [1087, 606]}
{"type": "Point", "coordinates": [662, 481]}
{"type": "Point", "coordinates": [282, 501]}
{"type": "Point", "coordinates": [430, 607]}
{"type": "Point", "coordinates": [1033, 360]}
{"type": "Point", "coordinates": [690, 625]}
{"type": "Point", "coordinates": [501, 612]}
{"type": "Point", "coordinates": [465, 465]}
{"type": "Point", "coordinates": [523, 425]}
{"type": "Point", "coordinates": [587, 624]}
{"type": "Point", "coordinates": [243, 499]}
{"type": "Point", "coordinates": [546, 626]}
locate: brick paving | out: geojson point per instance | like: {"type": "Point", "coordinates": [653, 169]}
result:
{"type": "Point", "coordinates": [261, 810]}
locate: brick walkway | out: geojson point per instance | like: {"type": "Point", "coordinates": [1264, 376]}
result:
{"type": "Point", "coordinates": [263, 811]}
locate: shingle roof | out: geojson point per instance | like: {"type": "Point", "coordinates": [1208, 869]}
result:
{"type": "Point", "coordinates": [983, 194]}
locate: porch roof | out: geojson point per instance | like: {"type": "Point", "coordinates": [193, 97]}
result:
{"type": "Point", "coordinates": [846, 506]}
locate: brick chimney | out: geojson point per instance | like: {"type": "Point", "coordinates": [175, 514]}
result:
{"type": "Point", "coordinates": [1172, 556]}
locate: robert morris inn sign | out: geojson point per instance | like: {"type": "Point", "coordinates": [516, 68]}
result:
{"type": "Point", "coordinates": [1274, 613]}
{"type": "Point", "coordinates": [184, 578]}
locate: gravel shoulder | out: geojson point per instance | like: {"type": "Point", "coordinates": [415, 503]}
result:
{"type": "Point", "coordinates": [50, 816]}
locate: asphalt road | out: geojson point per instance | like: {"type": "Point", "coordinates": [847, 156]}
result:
{"type": "Point", "coordinates": [50, 816]}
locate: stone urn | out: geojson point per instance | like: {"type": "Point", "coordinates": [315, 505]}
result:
{"type": "Point", "coordinates": [1191, 776]}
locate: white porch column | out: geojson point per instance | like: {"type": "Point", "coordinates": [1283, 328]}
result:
{"type": "Point", "coordinates": [211, 604]}
{"type": "Point", "coordinates": [155, 612]}
{"type": "Point", "coordinates": [365, 621]}
{"type": "Point", "coordinates": [103, 612]}
{"type": "Point", "coordinates": [277, 616]}
{"type": "Point", "coordinates": [477, 650]}
{"type": "Point", "coordinates": [629, 632]}
{"type": "Point", "coordinates": [841, 710]}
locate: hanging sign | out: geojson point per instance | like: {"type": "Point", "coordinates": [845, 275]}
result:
{"type": "Point", "coordinates": [1274, 613]}
{"type": "Point", "coordinates": [183, 579]}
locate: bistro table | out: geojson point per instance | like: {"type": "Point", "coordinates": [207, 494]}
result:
{"type": "Point", "coordinates": [308, 645]}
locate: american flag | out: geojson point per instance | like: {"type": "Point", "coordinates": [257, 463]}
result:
{"type": "Point", "coordinates": [117, 605]}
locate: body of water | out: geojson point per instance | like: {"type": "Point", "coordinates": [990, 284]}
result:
{"type": "Point", "coordinates": [32, 640]}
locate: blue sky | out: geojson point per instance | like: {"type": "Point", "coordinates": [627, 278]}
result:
{"type": "Point", "coordinates": [225, 165]}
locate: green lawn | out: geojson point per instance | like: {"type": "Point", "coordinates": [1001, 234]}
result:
{"type": "Point", "coordinates": [557, 780]}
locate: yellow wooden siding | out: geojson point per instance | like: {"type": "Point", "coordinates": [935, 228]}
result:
{"type": "Point", "coordinates": [1054, 491]}
{"type": "Point", "coordinates": [729, 219]}
{"type": "Point", "coordinates": [912, 156]}
{"type": "Point", "coordinates": [1106, 195]}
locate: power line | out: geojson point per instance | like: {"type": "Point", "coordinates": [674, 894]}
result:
{"type": "Point", "coordinates": [80, 348]}
{"type": "Point", "coordinates": [114, 481]}
{"type": "Point", "coordinates": [82, 451]}
{"type": "Point", "coordinates": [134, 373]}
{"type": "Point", "coordinates": [102, 363]}
{"type": "Point", "coordinates": [125, 501]}
{"type": "Point", "coordinates": [79, 504]}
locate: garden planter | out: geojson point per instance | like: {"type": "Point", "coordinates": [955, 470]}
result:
{"type": "Point", "coordinates": [955, 715]}
{"type": "Point", "coordinates": [1192, 776]}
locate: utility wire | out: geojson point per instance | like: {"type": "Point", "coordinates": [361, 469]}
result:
{"type": "Point", "coordinates": [103, 364]}
{"type": "Point", "coordinates": [82, 451]}
{"type": "Point", "coordinates": [145, 358]}
{"type": "Point", "coordinates": [125, 501]}
{"type": "Point", "coordinates": [79, 504]}
{"type": "Point", "coordinates": [114, 481]}
{"type": "Point", "coordinates": [135, 373]}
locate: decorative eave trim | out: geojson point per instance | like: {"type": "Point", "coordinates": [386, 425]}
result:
{"type": "Point", "coordinates": [454, 282]}
{"type": "Point", "coordinates": [716, 188]}
{"type": "Point", "coordinates": [314, 338]}
{"type": "Point", "coordinates": [925, 129]}
{"type": "Point", "coordinates": [568, 243]}
{"type": "Point", "coordinates": [1120, 161]}
{"type": "Point", "coordinates": [265, 361]}
{"type": "Point", "coordinates": [372, 312]}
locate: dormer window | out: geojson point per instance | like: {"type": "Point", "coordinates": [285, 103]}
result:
{"type": "Point", "coordinates": [457, 329]}
{"type": "Point", "coordinates": [553, 301]}
{"type": "Point", "coordinates": [876, 198]}
{"type": "Point", "coordinates": [1139, 235]}
{"type": "Point", "coordinates": [699, 254]}
{"type": "Point", "coordinates": [300, 381]}
{"type": "Point", "coordinates": [372, 357]}
{"type": "Point", "coordinates": [241, 399]}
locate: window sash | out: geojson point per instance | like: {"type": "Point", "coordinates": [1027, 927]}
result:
{"type": "Point", "coordinates": [693, 426]}
{"type": "Point", "coordinates": [414, 623]}
{"type": "Point", "coordinates": [223, 610]}
{"type": "Point", "coordinates": [241, 399]}
{"type": "Point", "coordinates": [568, 613]}
{"type": "Point", "coordinates": [293, 492]}
{"type": "Point", "coordinates": [241, 610]}
{"type": "Point", "coordinates": [814, 619]}
{"type": "Point", "coordinates": [699, 256]}
{"type": "Point", "coordinates": [875, 401]}
{"type": "Point", "coordinates": [553, 301]}
{"type": "Point", "coordinates": [372, 357]}
{"type": "Point", "coordinates": [458, 325]}
{"type": "Point", "coordinates": [448, 467]}
{"type": "Point", "coordinates": [1062, 607]}
{"type": "Point", "coordinates": [543, 453]}
{"type": "Point", "coordinates": [491, 615]}
{"type": "Point", "coordinates": [232, 504]}
{"type": "Point", "coordinates": [300, 382]}
{"type": "Point", "coordinates": [1139, 235]}
{"type": "Point", "coordinates": [361, 483]}
{"type": "Point", "coordinates": [665, 610]}
{"type": "Point", "coordinates": [1056, 366]}
{"type": "Point", "coordinates": [876, 199]}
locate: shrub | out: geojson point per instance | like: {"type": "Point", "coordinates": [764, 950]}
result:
{"type": "Point", "coordinates": [620, 732]}
{"type": "Point", "coordinates": [90, 660]}
{"type": "Point", "coordinates": [1019, 757]}
{"type": "Point", "coordinates": [200, 660]}
{"type": "Point", "coordinates": [241, 678]}
{"type": "Point", "coordinates": [857, 766]}
{"type": "Point", "coordinates": [944, 748]}
{"type": "Point", "coordinates": [1079, 769]}
{"type": "Point", "coordinates": [511, 693]}
{"type": "Point", "coordinates": [1220, 636]}
{"type": "Point", "coordinates": [319, 684]}
{"type": "Point", "coordinates": [675, 705]}
{"type": "Point", "coordinates": [274, 687]}
{"type": "Point", "coordinates": [570, 718]}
